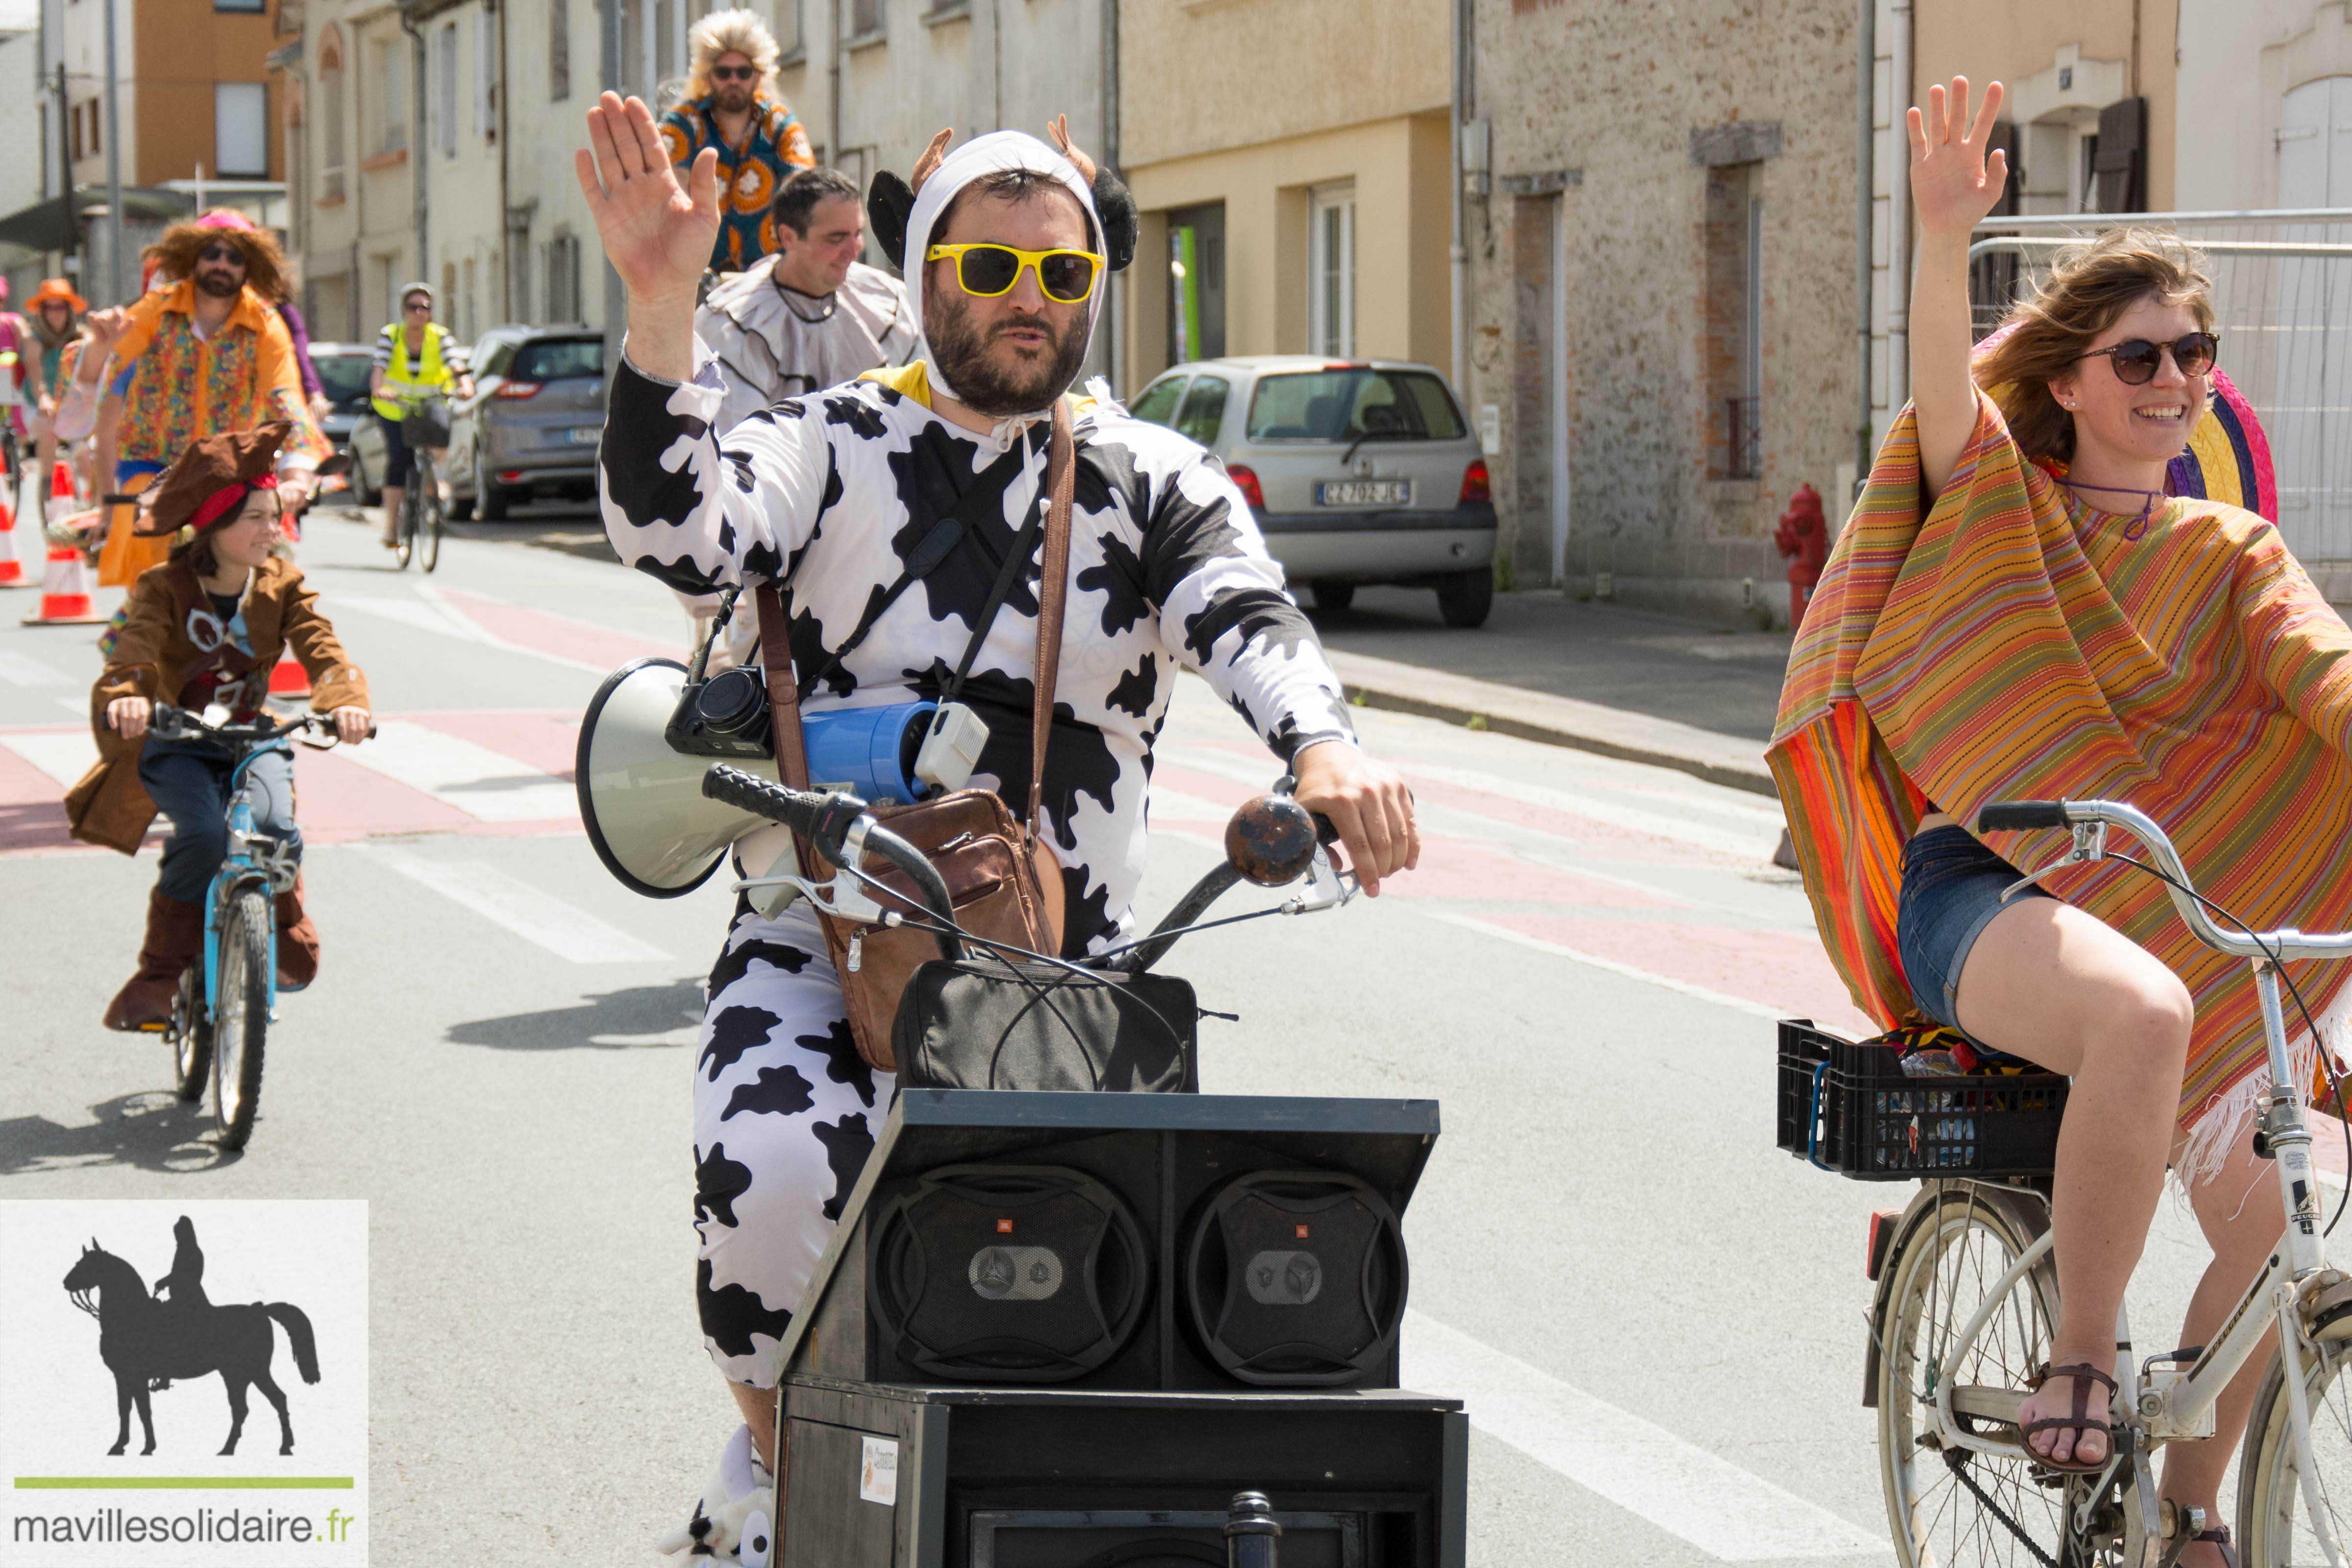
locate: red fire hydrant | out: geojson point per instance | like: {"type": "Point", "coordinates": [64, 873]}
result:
{"type": "Point", "coordinates": [1804, 537]}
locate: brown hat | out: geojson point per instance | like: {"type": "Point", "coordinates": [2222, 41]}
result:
{"type": "Point", "coordinates": [210, 481]}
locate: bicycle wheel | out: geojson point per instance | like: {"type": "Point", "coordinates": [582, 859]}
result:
{"type": "Point", "coordinates": [428, 516]}
{"type": "Point", "coordinates": [406, 524]}
{"type": "Point", "coordinates": [192, 1035]}
{"type": "Point", "coordinates": [2273, 1524]}
{"type": "Point", "coordinates": [1951, 1508]}
{"type": "Point", "coordinates": [241, 1015]}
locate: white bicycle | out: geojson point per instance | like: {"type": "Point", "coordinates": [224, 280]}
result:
{"type": "Point", "coordinates": [1968, 1297]}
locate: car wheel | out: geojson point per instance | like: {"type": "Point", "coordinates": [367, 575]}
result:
{"type": "Point", "coordinates": [1466, 599]}
{"type": "Point", "coordinates": [492, 502]}
{"type": "Point", "coordinates": [361, 491]}
{"type": "Point", "coordinates": [1330, 595]}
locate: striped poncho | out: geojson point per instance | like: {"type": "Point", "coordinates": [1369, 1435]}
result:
{"type": "Point", "coordinates": [2015, 643]}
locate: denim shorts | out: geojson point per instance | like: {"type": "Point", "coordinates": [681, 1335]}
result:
{"type": "Point", "coordinates": [1951, 889]}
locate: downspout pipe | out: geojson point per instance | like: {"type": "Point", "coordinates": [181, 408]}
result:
{"type": "Point", "coordinates": [1898, 218]}
{"type": "Point", "coordinates": [1117, 300]}
{"type": "Point", "coordinates": [505, 131]}
{"type": "Point", "coordinates": [616, 306]}
{"type": "Point", "coordinates": [114, 295]}
{"type": "Point", "coordinates": [1458, 258]}
{"type": "Point", "coordinates": [1866, 205]}
{"type": "Point", "coordinates": [421, 145]}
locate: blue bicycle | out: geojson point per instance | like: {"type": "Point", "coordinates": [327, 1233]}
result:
{"type": "Point", "coordinates": [228, 999]}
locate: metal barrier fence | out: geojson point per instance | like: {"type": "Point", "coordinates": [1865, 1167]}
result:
{"type": "Point", "coordinates": [2283, 297]}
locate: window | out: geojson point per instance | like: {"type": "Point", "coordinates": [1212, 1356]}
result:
{"type": "Point", "coordinates": [445, 77]}
{"type": "Point", "coordinates": [1204, 409]}
{"type": "Point", "coordinates": [1732, 335]}
{"type": "Point", "coordinates": [241, 129]}
{"type": "Point", "coordinates": [485, 123]}
{"type": "Point", "coordinates": [73, 132]}
{"type": "Point", "coordinates": [788, 27]}
{"type": "Point", "coordinates": [556, 359]}
{"type": "Point", "coordinates": [246, 7]}
{"type": "Point", "coordinates": [1331, 263]}
{"type": "Point", "coordinates": [1342, 405]}
{"type": "Point", "coordinates": [390, 94]}
{"type": "Point", "coordinates": [342, 376]}
{"type": "Point", "coordinates": [559, 50]}
{"type": "Point", "coordinates": [563, 278]}
{"type": "Point", "coordinates": [865, 18]}
{"type": "Point", "coordinates": [330, 118]}
{"type": "Point", "coordinates": [465, 303]}
{"type": "Point", "coordinates": [1158, 403]}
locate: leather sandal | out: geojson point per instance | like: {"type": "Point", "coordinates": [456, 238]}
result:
{"type": "Point", "coordinates": [2084, 1374]}
{"type": "Point", "coordinates": [2219, 1536]}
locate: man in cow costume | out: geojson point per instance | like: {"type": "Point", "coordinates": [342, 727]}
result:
{"type": "Point", "coordinates": [827, 494]}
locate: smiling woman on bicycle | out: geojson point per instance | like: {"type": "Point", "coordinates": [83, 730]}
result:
{"type": "Point", "coordinates": [206, 626]}
{"type": "Point", "coordinates": [2018, 609]}
{"type": "Point", "coordinates": [416, 359]}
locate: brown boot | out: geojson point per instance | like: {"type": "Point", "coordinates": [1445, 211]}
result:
{"type": "Point", "coordinates": [297, 940]}
{"type": "Point", "coordinates": [175, 930]}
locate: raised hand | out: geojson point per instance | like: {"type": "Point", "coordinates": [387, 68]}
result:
{"type": "Point", "coordinates": [657, 235]}
{"type": "Point", "coordinates": [104, 328]}
{"type": "Point", "coordinates": [1953, 184]}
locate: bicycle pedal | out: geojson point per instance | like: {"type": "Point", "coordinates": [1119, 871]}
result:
{"type": "Point", "coordinates": [153, 1028]}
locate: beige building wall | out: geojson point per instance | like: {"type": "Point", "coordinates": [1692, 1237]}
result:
{"type": "Point", "coordinates": [1204, 120]}
{"type": "Point", "coordinates": [2239, 59]}
{"type": "Point", "coordinates": [1611, 296]}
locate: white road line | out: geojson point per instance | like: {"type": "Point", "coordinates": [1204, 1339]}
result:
{"type": "Point", "coordinates": [1504, 933]}
{"type": "Point", "coordinates": [505, 901]}
{"type": "Point", "coordinates": [430, 612]}
{"type": "Point", "coordinates": [1684, 1489]}
{"type": "Point", "coordinates": [435, 597]}
{"type": "Point", "coordinates": [488, 785]}
{"type": "Point", "coordinates": [16, 669]}
{"type": "Point", "coordinates": [64, 754]}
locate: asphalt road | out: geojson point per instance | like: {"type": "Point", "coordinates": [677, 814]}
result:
{"type": "Point", "coordinates": [1656, 1317]}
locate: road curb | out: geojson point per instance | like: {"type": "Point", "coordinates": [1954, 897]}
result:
{"type": "Point", "coordinates": [1720, 759]}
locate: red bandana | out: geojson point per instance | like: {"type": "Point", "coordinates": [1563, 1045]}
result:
{"type": "Point", "coordinates": [222, 502]}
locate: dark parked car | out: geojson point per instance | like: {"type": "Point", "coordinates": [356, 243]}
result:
{"type": "Point", "coordinates": [344, 375]}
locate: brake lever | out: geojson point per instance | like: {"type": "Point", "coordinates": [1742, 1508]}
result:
{"type": "Point", "coordinates": [1328, 886]}
{"type": "Point", "coordinates": [2089, 845]}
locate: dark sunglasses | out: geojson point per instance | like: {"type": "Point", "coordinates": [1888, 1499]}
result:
{"type": "Point", "coordinates": [2138, 361]}
{"type": "Point", "coordinates": [734, 73]}
{"type": "Point", "coordinates": [1065, 276]}
{"type": "Point", "coordinates": [413, 307]}
{"type": "Point", "coordinates": [228, 253]}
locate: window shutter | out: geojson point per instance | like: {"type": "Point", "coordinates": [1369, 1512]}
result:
{"type": "Point", "coordinates": [2121, 166]}
{"type": "Point", "coordinates": [2005, 139]}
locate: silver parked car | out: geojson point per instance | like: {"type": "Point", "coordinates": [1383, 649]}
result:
{"type": "Point", "coordinates": [1359, 471]}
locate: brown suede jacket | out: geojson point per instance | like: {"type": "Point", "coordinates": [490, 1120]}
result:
{"type": "Point", "coordinates": [155, 658]}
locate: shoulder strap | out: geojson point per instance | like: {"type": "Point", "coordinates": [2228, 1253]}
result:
{"type": "Point", "coordinates": [784, 696]}
{"type": "Point", "coordinates": [1053, 595]}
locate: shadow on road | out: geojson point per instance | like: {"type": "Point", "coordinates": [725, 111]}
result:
{"type": "Point", "coordinates": [634, 1016]}
{"type": "Point", "coordinates": [153, 1129]}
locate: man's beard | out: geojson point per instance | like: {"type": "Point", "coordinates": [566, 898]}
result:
{"type": "Point", "coordinates": [219, 284]}
{"type": "Point", "coordinates": [983, 385]}
{"type": "Point", "coordinates": [736, 99]}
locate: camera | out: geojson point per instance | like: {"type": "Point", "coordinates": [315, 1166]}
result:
{"type": "Point", "coordinates": [725, 716]}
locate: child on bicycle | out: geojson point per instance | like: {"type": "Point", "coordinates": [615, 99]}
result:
{"type": "Point", "coordinates": [206, 627]}
{"type": "Point", "coordinates": [2021, 608]}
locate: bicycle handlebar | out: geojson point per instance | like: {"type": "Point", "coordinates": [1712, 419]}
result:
{"type": "Point", "coordinates": [175, 723]}
{"type": "Point", "coordinates": [2087, 818]}
{"type": "Point", "coordinates": [825, 821]}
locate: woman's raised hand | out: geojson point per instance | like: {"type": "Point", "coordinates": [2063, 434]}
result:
{"type": "Point", "coordinates": [657, 236]}
{"type": "Point", "coordinates": [1953, 184]}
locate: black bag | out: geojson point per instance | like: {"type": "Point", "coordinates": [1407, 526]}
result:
{"type": "Point", "coordinates": [987, 1023]}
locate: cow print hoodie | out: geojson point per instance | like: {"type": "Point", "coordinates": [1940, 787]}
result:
{"type": "Point", "coordinates": [828, 493]}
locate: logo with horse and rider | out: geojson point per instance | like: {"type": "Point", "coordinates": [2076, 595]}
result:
{"type": "Point", "coordinates": [187, 1317]}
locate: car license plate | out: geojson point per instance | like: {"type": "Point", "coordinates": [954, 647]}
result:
{"type": "Point", "coordinates": [587, 435]}
{"type": "Point", "coordinates": [1363, 492]}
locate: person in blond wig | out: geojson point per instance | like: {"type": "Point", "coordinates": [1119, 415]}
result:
{"type": "Point", "coordinates": [759, 142]}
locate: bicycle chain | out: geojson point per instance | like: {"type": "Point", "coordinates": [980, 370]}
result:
{"type": "Point", "coordinates": [1957, 1461]}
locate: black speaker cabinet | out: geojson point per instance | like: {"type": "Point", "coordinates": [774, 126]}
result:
{"type": "Point", "coordinates": [1062, 1330]}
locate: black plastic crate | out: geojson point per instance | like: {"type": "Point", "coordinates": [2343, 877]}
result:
{"type": "Point", "coordinates": [1849, 1107]}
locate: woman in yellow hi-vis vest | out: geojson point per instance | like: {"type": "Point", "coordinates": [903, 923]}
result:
{"type": "Point", "coordinates": [413, 361]}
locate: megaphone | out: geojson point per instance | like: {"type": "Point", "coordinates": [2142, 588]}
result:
{"type": "Point", "coordinates": [641, 801]}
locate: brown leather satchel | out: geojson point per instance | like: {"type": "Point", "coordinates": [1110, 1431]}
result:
{"type": "Point", "coordinates": [1002, 879]}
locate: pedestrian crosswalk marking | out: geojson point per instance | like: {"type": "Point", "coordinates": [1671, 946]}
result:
{"type": "Point", "coordinates": [17, 669]}
{"type": "Point", "coordinates": [1648, 977]}
{"type": "Point", "coordinates": [506, 900]}
{"type": "Point", "coordinates": [1688, 1491]}
{"type": "Point", "coordinates": [485, 785]}
{"type": "Point", "coordinates": [64, 754]}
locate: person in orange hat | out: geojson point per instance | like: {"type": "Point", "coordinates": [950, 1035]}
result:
{"type": "Point", "coordinates": [207, 627]}
{"type": "Point", "coordinates": [54, 313]}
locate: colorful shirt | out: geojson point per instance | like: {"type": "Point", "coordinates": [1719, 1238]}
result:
{"type": "Point", "coordinates": [183, 386]}
{"type": "Point", "coordinates": [774, 145]}
{"type": "Point", "coordinates": [2010, 641]}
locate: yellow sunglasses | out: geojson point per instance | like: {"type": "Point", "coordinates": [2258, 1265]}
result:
{"type": "Point", "coordinates": [986, 271]}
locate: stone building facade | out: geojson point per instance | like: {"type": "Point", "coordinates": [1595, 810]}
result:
{"type": "Point", "coordinates": [1663, 239]}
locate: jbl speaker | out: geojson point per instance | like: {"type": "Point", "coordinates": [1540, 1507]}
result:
{"type": "Point", "coordinates": [1296, 1278]}
{"type": "Point", "coordinates": [1008, 1273]}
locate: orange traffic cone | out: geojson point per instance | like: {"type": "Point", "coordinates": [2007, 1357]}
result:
{"type": "Point", "coordinates": [287, 679]}
{"type": "Point", "coordinates": [11, 571]}
{"type": "Point", "coordinates": [65, 591]}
